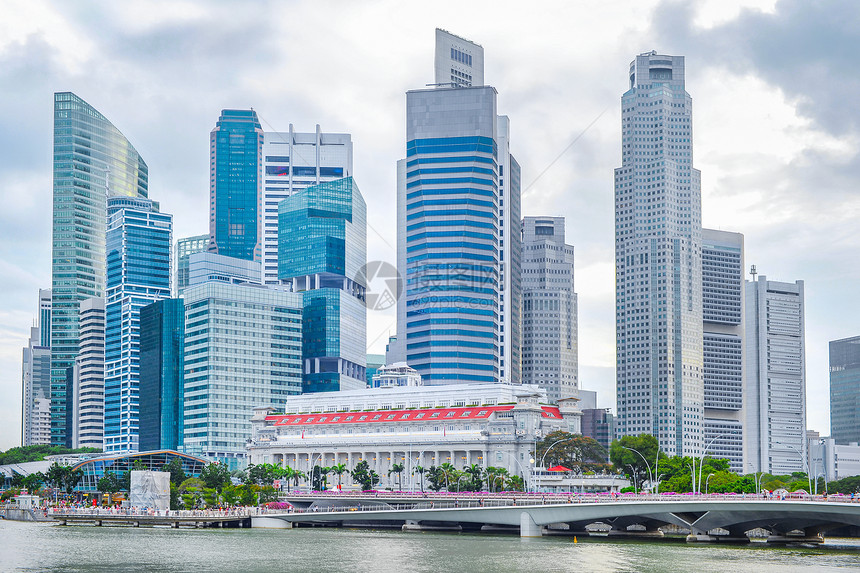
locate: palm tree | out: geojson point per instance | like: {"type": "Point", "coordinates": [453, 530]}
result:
{"type": "Point", "coordinates": [338, 470]}
{"type": "Point", "coordinates": [477, 474]}
{"type": "Point", "coordinates": [496, 478]}
{"type": "Point", "coordinates": [397, 469]}
{"type": "Point", "coordinates": [449, 473]}
{"type": "Point", "coordinates": [420, 471]}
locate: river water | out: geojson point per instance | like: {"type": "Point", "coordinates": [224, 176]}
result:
{"type": "Point", "coordinates": [48, 547]}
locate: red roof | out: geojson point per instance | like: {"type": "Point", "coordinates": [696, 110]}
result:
{"type": "Point", "coordinates": [385, 416]}
{"type": "Point", "coordinates": [558, 469]}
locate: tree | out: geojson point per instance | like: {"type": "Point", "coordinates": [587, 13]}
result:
{"type": "Point", "coordinates": [365, 476]}
{"type": "Point", "coordinates": [574, 451]}
{"type": "Point", "coordinates": [230, 494]}
{"type": "Point", "coordinates": [476, 474]}
{"type": "Point", "coordinates": [448, 475]}
{"type": "Point", "coordinates": [436, 478]}
{"type": "Point", "coordinates": [38, 453]}
{"type": "Point", "coordinates": [215, 475]}
{"type": "Point", "coordinates": [338, 470]}
{"type": "Point", "coordinates": [397, 469]}
{"type": "Point", "coordinates": [248, 494]}
{"type": "Point", "coordinates": [32, 482]}
{"type": "Point", "coordinates": [177, 473]}
{"type": "Point", "coordinates": [108, 484]}
{"type": "Point", "coordinates": [420, 471]}
{"type": "Point", "coordinates": [515, 483]}
{"type": "Point", "coordinates": [138, 465]}
{"type": "Point", "coordinates": [63, 477]}
{"type": "Point", "coordinates": [496, 478]}
{"type": "Point", "coordinates": [629, 462]}
{"type": "Point", "coordinates": [318, 478]}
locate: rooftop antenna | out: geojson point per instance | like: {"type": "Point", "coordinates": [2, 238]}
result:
{"type": "Point", "coordinates": [753, 272]}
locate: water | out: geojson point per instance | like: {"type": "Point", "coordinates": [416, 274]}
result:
{"type": "Point", "coordinates": [47, 547]}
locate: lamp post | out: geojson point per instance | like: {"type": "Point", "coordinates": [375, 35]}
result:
{"type": "Point", "coordinates": [706, 483]}
{"type": "Point", "coordinates": [650, 475]}
{"type": "Point", "coordinates": [705, 453]}
{"type": "Point", "coordinates": [800, 455]}
{"type": "Point", "coordinates": [756, 479]}
{"type": "Point", "coordinates": [522, 471]}
{"type": "Point", "coordinates": [547, 451]}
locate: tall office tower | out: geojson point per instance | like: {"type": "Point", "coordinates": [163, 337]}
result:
{"type": "Point", "coordinates": [184, 249]}
{"type": "Point", "coordinates": [458, 211]}
{"type": "Point", "coordinates": [162, 340]}
{"type": "Point", "coordinates": [139, 240]}
{"type": "Point", "coordinates": [775, 377]}
{"type": "Point", "coordinates": [723, 336]}
{"type": "Point", "coordinates": [235, 186]}
{"type": "Point", "coordinates": [293, 161]}
{"type": "Point", "coordinates": [45, 305]}
{"type": "Point", "coordinates": [322, 249]}
{"type": "Point", "coordinates": [88, 381]}
{"type": "Point", "coordinates": [255, 360]}
{"type": "Point", "coordinates": [598, 423]}
{"type": "Point", "coordinates": [36, 383]}
{"type": "Point", "coordinates": [458, 62]}
{"type": "Point", "coordinates": [92, 161]}
{"type": "Point", "coordinates": [550, 357]}
{"type": "Point", "coordinates": [658, 268]}
{"type": "Point", "coordinates": [845, 390]}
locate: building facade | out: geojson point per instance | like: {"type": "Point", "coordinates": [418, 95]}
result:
{"type": "Point", "coordinates": [484, 424]}
{"type": "Point", "coordinates": [208, 267]}
{"type": "Point", "coordinates": [139, 241]}
{"type": "Point", "coordinates": [599, 423]}
{"type": "Point", "coordinates": [293, 161]}
{"type": "Point", "coordinates": [162, 344]}
{"type": "Point", "coordinates": [184, 249]}
{"type": "Point", "coordinates": [845, 390]}
{"type": "Point", "coordinates": [36, 384]}
{"type": "Point", "coordinates": [322, 252]}
{"type": "Point", "coordinates": [658, 245]}
{"type": "Point", "coordinates": [458, 61]}
{"type": "Point", "coordinates": [723, 341]}
{"type": "Point", "coordinates": [243, 347]}
{"type": "Point", "coordinates": [396, 375]}
{"type": "Point", "coordinates": [235, 185]}
{"type": "Point", "coordinates": [88, 395]}
{"type": "Point", "coordinates": [92, 161]}
{"type": "Point", "coordinates": [549, 313]}
{"type": "Point", "coordinates": [775, 376]}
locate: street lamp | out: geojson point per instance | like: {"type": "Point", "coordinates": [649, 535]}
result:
{"type": "Point", "coordinates": [547, 451]}
{"type": "Point", "coordinates": [800, 455]}
{"type": "Point", "coordinates": [757, 476]}
{"type": "Point", "coordinates": [706, 483]}
{"type": "Point", "coordinates": [650, 475]}
{"type": "Point", "coordinates": [705, 453]}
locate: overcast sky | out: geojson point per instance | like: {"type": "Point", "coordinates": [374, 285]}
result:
{"type": "Point", "coordinates": [776, 127]}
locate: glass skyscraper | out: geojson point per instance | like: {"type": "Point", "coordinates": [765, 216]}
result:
{"type": "Point", "coordinates": [658, 249]}
{"type": "Point", "coordinates": [92, 161]}
{"type": "Point", "coordinates": [236, 149]}
{"type": "Point", "coordinates": [184, 249]}
{"type": "Point", "coordinates": [139, 240]}
{"type": "Point", "coordinates": [845, 390]}
{"type": "Point", "coordinates": [322, 249]}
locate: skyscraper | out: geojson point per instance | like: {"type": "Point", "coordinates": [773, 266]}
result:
{"type": "Point", "coordinates": [293, 161]}
{"type": "Point", "coordinates": [184, 249]}
{"type": "Point", "coordinates": [139, 240]}
{"type": "Point", "coordinates": [845, 390]}
{"type": "Point", "coordinates": [235, 186]}
{"type": "Point", "coordinates": [458, 62]}
{"type": "Point", "coordinates": [775, 377]}
{"type": "Point", "coordinates": [322, 249]}
{"type": "Point", "coordinates": [723, 332]}
{"type": "Point", "coordinates": [549, 315]}
{"type": "Point", "coordinates": [45, 306]}
{"type": "Point", "coordinates": [658, 245]}
{"type": "Point", "coordinates": [92, 160]}
{"type": "Point", "coordinates": [88, 387]}
{"type": "Point", "coordinates": [36, 383]}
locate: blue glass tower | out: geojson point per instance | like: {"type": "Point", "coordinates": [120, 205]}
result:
{"type": "Point", "coordinates": [448, 246]}
{"type": "Point", "coordinates": [236, 148]}
{"type": "Point", "coordinates": [92, 161]}
{"type": "Point", "coordinates": [138, 273]}
{"type": "Point", "coordinates": [322, 247]}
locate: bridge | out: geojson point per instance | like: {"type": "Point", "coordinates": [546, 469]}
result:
{"type": "Point", "coordinates": [708, 518]}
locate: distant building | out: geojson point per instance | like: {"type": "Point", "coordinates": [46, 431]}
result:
{"type": "Point", "coordinates": [139, 240]}
{"type": "Point", "coordinates": [374, 363]}
{"type": "Point", "coordinates": [36, 384]}
{"type": "Point", "coordinates": [322, 252]}
{"type": "Point", "coordinates": [395, 375]}
{"type": "Point", "coordinates": [458, 62]}
{"type": "Point", "coordinates": [775, 377]}
{"type": "Point", "coordinates": [723, 341]}
{"type": "Point", "coordinates": [162, 340]}
{"type": "Point", "coordinates": [209, 267]}
{"type": "Point", "coordinates": [88, 395]}
{"type": "Point", "coordinates": [236, 187]}
{"type": "Point", "coordinates": [184, 249]}
{"type": "Point", "coordinates": [45, 306]}
{"type": "Point", "coordinates": [549, 314]}
{"type": "Point", "coordinates": [293, 161]}
{"type": "Point", "coordinates": [845, 390]}
{"type": "Point", "coordinates": [831, 460]}
{"type": "Point", "coordinates": [92, 161]}
{"type": "Point", "coordinates": [243, 347]}
{"type": "Point", "coordinates": [598, 423]}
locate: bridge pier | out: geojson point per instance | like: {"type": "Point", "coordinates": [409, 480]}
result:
{"type": "Point", "coordinates": [528, 527]}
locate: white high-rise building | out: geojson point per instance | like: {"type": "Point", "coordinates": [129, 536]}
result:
{"type": "Point", "coordinates": [658, 247]}
{"type": "Point", "coordinates": [775, 377]}
{"type": "Point", "coordinates": [723, 331]}
{"type": "Point", "coordinates": [458, 62]}
{"type": "Point", "coordinates": [293, 161]}
{"type": "Point", "coordinates": [36, 378]}
{"type": "Point", "coordinates": [549, 315]}
{"type": "Point", "coordinates": [88, 393]}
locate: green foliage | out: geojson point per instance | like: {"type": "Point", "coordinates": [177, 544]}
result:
{"type": "Point", "coordinates": [262, 474]}
{"type": "Point", "coordinates": [319, 478]}
{"type": "Point", "coordinates": [63, 477]}
{"type": "Point", "coordinates": [420, 470]}
{"type": "Point", "coordinates": [515, 483]}
{"type": "Point", "coordinates": [9, 494]}
{"type": "Point", "coordinates": [267, 494]}
{"type": "Point", "coordinates": [110, 483]}
{"type": "Point", "coordinates": [177, 474]}
{"type": "Point", "coordinates": [631, 463]}
{"type": "Point", "coordinates": [230, 494]}
{"type": "Point", "coordinates": [174, 496]}
{"type": "Point", "coordinates": [397, 469]}
{"type": "Point", "coordinates": [476, 477]}
{"type": "Point", "coordinates": [497, 478]}
{"type": "Point", "coordinates": [574, 451]}
{"type": "Point", "coordinates": [248, 494]}
{"type": "Point", "coordinates": [216, 476]}
{"type": "Point", "coordinates": [436, 478]}
{"type": "Point", "coordinates": [138, 465]}
{"type": "Point", "coordinates": [339, 470]}
{"type": "Point", "coordinates": [38, 453]}
{"type": "Point", "coordinates": [847, 485]}
{"type": "Point", "coordinates": [210, 496]}
{"type": "Point", "coordinates": [365, 476]}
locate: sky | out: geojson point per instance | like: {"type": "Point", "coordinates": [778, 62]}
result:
{"type": "Point", "coordinates": [776, 127]}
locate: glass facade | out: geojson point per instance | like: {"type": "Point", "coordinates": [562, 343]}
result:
{"type": "Point", "coordinates": [658, 267]}
{"type": "Point", "coordinates": [845, 390]}
{"type": "Point", "coordinates": [243, 349]}
{"type": "Point", "coordinates": [184, 249]}
{"type": "Point", "coordinates": [322, 249]}
{"type": "Point", "coordinates": [88, 397]}
{"type": "Point", "coordinates": [162, 339]}
{"type": "Point", "coordinates": [139, 240]}
{"type": "Point", "coordinates": [236, 148]}
{"type": "Point", "coordinates": [92, 161]}
{"type": "Point", "coordinates": [95, 468]}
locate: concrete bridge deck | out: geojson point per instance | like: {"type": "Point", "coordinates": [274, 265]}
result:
{"type": "Point", "coordinates": [174, 519]}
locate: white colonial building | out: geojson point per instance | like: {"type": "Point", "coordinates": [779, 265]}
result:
{"type": "Point", "coordinates": [485, 424]}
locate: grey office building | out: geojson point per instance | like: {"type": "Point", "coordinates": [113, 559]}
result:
{"type": "Point", "coordinates": [845, 390]}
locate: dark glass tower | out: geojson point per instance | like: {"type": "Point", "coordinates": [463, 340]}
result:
{"type": "Point", "coordinates": [92, 161]}
{"type": "Point", "coordinates": [236, 148]}
{"type": "Point", "coordinates": [845, 390]}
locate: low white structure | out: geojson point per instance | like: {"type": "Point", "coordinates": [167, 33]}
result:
{"type": "Point", "coordinates": [150, 490]}
{"type": "Point", "coordinates": [397, 374]}
{"type": "Point", "coordinates": [484, 424]}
